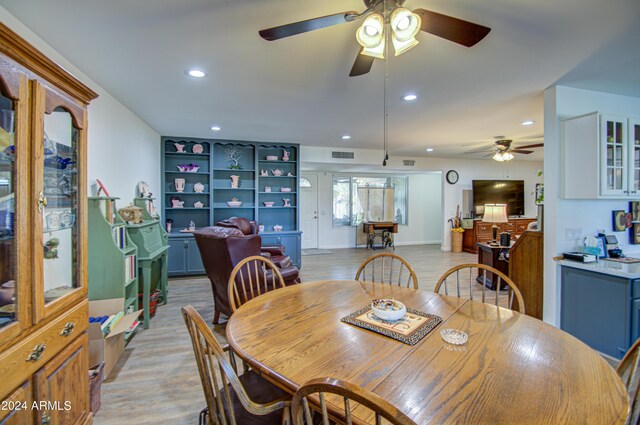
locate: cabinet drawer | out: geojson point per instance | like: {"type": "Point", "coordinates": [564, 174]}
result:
{"type": "Point", "coordinates": [483, 228]}
{"type": "Point", "coordinates": [508, 227]}
{"type": "Point", "coordinates": [484, 238]}
{"type": "Point", "coordinates": [14, 364]}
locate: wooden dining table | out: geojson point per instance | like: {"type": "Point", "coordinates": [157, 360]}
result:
{"type": "Point", "coordinates": [514, 369]}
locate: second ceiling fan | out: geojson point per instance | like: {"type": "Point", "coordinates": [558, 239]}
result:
{"type": "Point", "coordinates": [381, 14]}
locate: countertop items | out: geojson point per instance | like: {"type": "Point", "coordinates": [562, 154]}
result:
{"type": "Point", "coordinates": [613, 268]}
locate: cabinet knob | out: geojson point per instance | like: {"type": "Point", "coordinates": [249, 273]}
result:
{"type": "Point", "coordinates": [37, 352]}
{"type": "Point", "coordinates": [68, 328]}
{"type": "Point", "coordinates": [42, 202]}
{"type": "Point", "coordinates": [46, 419]}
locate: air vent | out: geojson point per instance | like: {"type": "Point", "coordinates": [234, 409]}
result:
{"type": "Point", "coordinates": [342, 155]}
{"type": "Point", "coordinates": [409, 162]}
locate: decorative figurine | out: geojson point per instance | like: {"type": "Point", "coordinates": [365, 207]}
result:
{"type": "Point", "coordinates": [286, 202]}
{"type": "Point", "coordinates": [51, 248]}
{"type": "Point", "coordinates": [289, 174]}
{"type": "Point", "coordinates": [192, 226]}
{"type": "Point", "coordinates": [235, 181]}
{"type": "Point", "coordinates": [169, 222]}
{"type": "Point", "coordinates": [179, 183]}
{"type": "Point", "coordinates": [277, 173]}
{"type": "Point", "coordinates": [267, 188]}
{"type": "Point", "coordinates": [277, 228]}
{"type": "Point", "coordinates": [198, 187]}
{"type": "Point", "coordinates": [234, 155]}
{"type": "Point", "coordinates": [198, 204]}
{"type": "Point", "coordinates": [179, 147]}
{"type": "Point", "coordinates": [53, 219]}
{"type": "Point", "coordinates": [176, 202]}
{"type": "Point", "coordinates": [143, 189]}
{"type": "Point", "coordinates": [197, 148]}
{"type": "Point", "coordinates": [285, 155]}
{"type": "Point", "coordinates": [264, 173]}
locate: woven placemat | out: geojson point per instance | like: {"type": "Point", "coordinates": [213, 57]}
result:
{"type": "Point", "coordinates": [414, 326]}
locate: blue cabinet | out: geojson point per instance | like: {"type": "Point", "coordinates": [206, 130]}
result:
{"type": "Point", "coordinates": [600, 309]}
{"type": "Point", "coordinates": [184, 257]}
{"type": "Point", "coordinates": [290, 240]}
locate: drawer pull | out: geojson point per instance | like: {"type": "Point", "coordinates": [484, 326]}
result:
{"type": "Point", "coordinates": [68, 328]}
{"type": "Point", "coordinates": [37, 352]}
{"type": "Point", "coordinates": [46, 419]}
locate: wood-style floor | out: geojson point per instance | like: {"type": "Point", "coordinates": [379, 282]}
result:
{"type": "Point", "coordinates": [156, 380]}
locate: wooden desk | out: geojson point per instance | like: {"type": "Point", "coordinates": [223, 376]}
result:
{"type": "Point", "coordinates": [383, 230]}
{"type": "Point", "coordinates": [492, 256]}
{"type": "Point", "coordinates": [514, 369]}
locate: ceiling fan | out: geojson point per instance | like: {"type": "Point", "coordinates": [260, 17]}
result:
{"type": "Point", "coordinates": [453, 29]}
{"type": "Point", "coordinates": [502, 150]}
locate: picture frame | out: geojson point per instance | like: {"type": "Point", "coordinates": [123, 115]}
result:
{"type": "Point", "coordinates": [634, 235]}
{"type": "Point", "coordinates": [634, 208]}
{"type": "Point", "coordinates": [619, 220]}
{"type": "Point", "coordinates": [602, 245]}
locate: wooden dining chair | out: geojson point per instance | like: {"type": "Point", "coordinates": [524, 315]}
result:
{"type": "Point", "coordinates": [630, 374]}
{"type": "Point", "coordinates": [232, 399]}
{"type": "Point", "coordinates": [251, 277]}
{"type": "Point", "coordinates": [460, 273]}
{"type": "Point", "coordinates": [302, 415]}
{"type": "Point", "coordinates": [387, 268]}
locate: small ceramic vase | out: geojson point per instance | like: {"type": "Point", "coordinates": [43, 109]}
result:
{"type": "Point", "coordinates": [197, 148]}
{"type": "Point", "coordinates": [198, 204]}
{"type": "Point", "coordinates": [261, 228]}
{"type": "Point", "coordinates": [179, 147]}
{"type": "Point", "coordinates": [179, 183]}
{"type": "Point", "coordinates": [285, 155]}
{"type": "Point", "coordinates": [198, 187]}
{"type": "Point", "coordinates": [289, 174]}
{"type": "Point", "coordinates": [235, 181]}
{"type": "Point", "coordinates": [286, 202]}
{"type": "Point", "coordinates": [176, 202]}
{"type": "Point", "coordinates": [277, 228]}
{"type": "Point", "coordinates": [264, 173]}
{"type": "Point", "coordinates": [168, 224]}
{"type": "Point", "coordinates": [267, 188]}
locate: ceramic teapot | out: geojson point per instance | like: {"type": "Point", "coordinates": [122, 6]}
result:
{"type": "Point", "coordinates": [277, 172]}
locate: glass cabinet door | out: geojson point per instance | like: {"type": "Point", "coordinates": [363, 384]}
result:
{"type": "Point", "coordinates": [14, 174]}
{"type": "Point", "coordinates": [614, 156]}
{"type": "Point", "coordinates": [58, 252]}
{"type": "Point", "coordinates": [634, 163]}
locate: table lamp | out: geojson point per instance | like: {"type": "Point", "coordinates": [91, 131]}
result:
{"type": "Point", "coordinates": [495, 213]}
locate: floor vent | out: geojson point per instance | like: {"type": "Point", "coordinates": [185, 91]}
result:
{"type": "Point", "coordinates": [409, 162]}
{"type": "Point", "coordinates": [342, 155]}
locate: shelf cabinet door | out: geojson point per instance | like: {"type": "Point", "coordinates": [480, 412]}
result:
{"type": "Point", "coordinates": [59, 191]}
{"type": "Point", "coordinates": [613, 156]}
{"type": "Point", "coordinates": [634, 156]}
{"type": "Point", "coordinates": [15, 270]}
{"type": "Point", "coordinates": [194, 261]}
{"type": "Point", "coordinates": [176, 263]}
{"type": "Point", "coordinates": [17, 407]}
{"type": "Point", "coordinates": [63, 384]}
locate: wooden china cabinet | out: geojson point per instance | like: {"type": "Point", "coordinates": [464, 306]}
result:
{"type": "Point", "coordinates": [43, 239]}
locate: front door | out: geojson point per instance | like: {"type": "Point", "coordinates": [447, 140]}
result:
{"type": "Point", "coordinates": [309, 211]}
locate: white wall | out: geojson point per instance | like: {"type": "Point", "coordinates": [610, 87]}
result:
{"type": "Point", "coordinates": [588, 215]}
{"type": "Point", "coordinates": [122, 149]}
{"type": "Point", "coordinates": [368, 161]}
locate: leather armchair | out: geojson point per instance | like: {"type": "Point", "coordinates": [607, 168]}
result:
{"type": "Point", "coordinates": [250, 227]}
{"type": "Point", "coordinates": [221, 248]}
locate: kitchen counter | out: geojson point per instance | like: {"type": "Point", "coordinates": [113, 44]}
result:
{"type": "Point", "coordinates": [612, 268]}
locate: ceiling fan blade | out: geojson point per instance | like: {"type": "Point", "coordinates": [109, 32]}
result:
{"type": "Point", "coordinates": [282, 31]}
{"type": "Point", "coordinates": [535, 145]}
{"type": "Point", "coordinates": [362, 64]}
{"type": "Point", "coordinates": [521, 151]}
{"type": "Point", "coordinates": [453, 29]}
{"type": "Point", "coordinates": [480, 150]}
{"type": "Point", "coordinates": [487, 156]}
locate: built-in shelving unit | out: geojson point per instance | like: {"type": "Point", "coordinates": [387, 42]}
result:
{"type": "Point", "coordinates": [220, 160]}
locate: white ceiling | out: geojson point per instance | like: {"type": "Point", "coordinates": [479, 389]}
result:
{"type": "Point", "coordinates": [298, 90]}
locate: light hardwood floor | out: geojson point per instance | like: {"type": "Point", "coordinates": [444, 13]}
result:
{"type": "Point", "coordinates": [156, 380]}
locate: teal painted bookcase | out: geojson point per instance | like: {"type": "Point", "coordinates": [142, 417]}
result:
{"type": "Point", "coordinates": [265, 178]}
{"type": "Point", "coordinates": [112, 257]}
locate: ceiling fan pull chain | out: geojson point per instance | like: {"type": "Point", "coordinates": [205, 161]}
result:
{"type": "Point", "coordinates": [386, 78]}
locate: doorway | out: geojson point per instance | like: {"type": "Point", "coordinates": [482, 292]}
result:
{"type": "Point", "coordinates": [309, 210]}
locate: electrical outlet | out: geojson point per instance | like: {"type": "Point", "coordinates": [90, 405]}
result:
{"type": "Point", "coordinates": [572, 234]}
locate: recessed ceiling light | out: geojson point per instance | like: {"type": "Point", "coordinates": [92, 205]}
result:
{"type": "Point", "coordinates": [528, 122]}
{"type": "Point", "coordinates": [215, 128]}
{"type": "Point", "coordinates": [410, 97]}
{"type": "Point", "coordinates": [429, 149]}
{"type": "Point", "coordinates": [196, 73]}
{"type": "Point", "coordinates": [346, 137]}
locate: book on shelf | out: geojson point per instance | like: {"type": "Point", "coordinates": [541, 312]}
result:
{"type": "Point", "coordinates": [119, 236]}
{"type": "Point", "coordinates": [129, 267]}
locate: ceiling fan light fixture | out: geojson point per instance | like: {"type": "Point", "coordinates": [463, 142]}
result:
{"type": "Point", "coordinates": [507, 156]}
{"type": "Point", "coordinates": [404, 27]}
{"type": "Point", "coordinates": [498, 156]}
{"type": "Point", "coordinates": [371, 36]}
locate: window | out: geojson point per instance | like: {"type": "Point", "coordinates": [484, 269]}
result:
{"type": "Point", "coordinates": [353, 195]}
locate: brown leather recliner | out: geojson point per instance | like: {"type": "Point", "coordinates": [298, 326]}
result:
{"type": "Point", "coordinates": [221, 248]}
{"type": "Point", "coordinates": [250, 227]}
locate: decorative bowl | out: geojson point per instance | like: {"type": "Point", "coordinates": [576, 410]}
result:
{"type": "Point", "coordinates": [285, 189]}
{"type": "Point", "coordinates": [234, 203]}
{"type": "Point", "coordinates": [197, 148]}
{"type": "Point", "coordinates": [388, 309]}
{"type": "Point", "coordinates": [268, 203]}
{"type": "Point", "coordinates": [454, 336]}
{"type": "Point", "coordinates": [277, 228]}
{"type": "Point", "coordinates": [271, 157]}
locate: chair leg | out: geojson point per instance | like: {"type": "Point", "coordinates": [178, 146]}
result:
{"type": "Point", "coordinates": [216, 317]}
{"type": "Point", "coordinates": [286, 416]}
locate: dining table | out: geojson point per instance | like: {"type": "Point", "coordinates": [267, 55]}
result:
{"type": "Point", "coordinates": [514, 369]}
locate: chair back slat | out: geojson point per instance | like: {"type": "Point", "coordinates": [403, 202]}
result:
{"type": "Point", "coordinates": [481, 274]}
{"type": "Point", "coordinates": [629, 372]}
{"type": "Point", "coordinates": [252, 277]}
{"type": "Point", "coordinates": [390, 272]}
{"type": "Point", "coordinates": [300, 405]}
